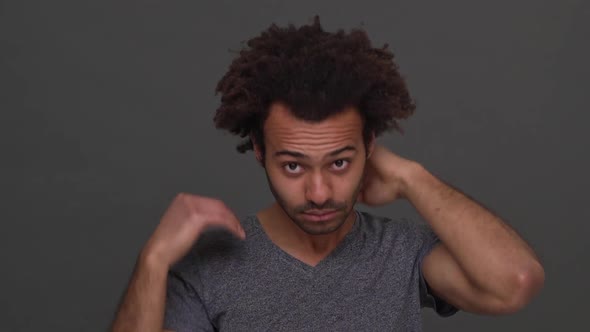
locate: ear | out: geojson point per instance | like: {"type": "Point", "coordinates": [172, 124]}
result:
{"type": "Point", "coordinates": [257, 151]}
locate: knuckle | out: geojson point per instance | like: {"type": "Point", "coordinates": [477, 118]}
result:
{"type": "Point", "coordinates": [181, 197]}
{"type": "Point", "coordinates": [219, 204]}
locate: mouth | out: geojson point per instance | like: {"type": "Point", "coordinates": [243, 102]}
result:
{"type": "Point", "coordinates": [319, 215]}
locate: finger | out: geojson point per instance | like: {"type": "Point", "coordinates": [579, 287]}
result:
{"type": "Point", "coordinates": [227, 219]}
{"type": "Point", "coordinates": [234, 225]}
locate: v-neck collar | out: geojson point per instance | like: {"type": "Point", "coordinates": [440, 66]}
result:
{"type": "Point", "coordinates": [341, 251]}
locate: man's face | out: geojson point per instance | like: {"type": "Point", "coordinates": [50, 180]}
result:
{"type": "Point", "coordinates": [314, 170]}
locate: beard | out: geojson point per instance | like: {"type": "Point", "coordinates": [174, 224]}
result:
{"type": "Point", "coordinates": [343, 210]}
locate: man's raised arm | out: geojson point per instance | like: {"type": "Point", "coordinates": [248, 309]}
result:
{"type": "Point", "coordinates": [142, 307]}
{"type": "Point", "coordinates": [481, 265]}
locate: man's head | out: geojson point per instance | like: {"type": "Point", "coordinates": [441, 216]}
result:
{"type": "Point", "coordinates": [310, 100]}
{"type": "Point", "coordinates": [314, 167]}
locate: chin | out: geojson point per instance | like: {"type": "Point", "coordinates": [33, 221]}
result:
{"type": "Point", "coordinates": [321, 227]}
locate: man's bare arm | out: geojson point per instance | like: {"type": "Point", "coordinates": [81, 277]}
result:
{"type": "Point", "coordinates": [142, 307]}
{"type": "Point", "coordinates": [482, 265]}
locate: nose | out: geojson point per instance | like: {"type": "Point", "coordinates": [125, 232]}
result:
{"type": "Point", "coordinates": [318, 189]}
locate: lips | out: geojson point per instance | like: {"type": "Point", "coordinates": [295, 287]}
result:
{"type": "Point", "coordinates": [319, 215]}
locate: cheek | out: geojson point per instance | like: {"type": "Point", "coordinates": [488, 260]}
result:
{"type": "Point", "coordinates": [287, 188]}
{"type": "Point", "coordinates": [350, 183]}
{"type": "Point", "coordinates": [345, 187]}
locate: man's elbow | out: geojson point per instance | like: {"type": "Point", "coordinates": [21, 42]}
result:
{"type": "Point", "coordinates": [528, 284]}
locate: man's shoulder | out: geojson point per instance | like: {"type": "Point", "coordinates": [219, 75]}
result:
{"type": "Point", "coordinates": [376, 222]}
{"type": "Point", "coordinates": [216, 242]}
{"type": "Point", "coordinates": [216, 247]}
{"type": "Point", "coordinates": [394, 229]}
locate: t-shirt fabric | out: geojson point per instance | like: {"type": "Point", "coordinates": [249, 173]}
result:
{"type": "Point", "coordinates": [371, 281]}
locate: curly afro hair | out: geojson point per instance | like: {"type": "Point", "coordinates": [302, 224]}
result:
{"type": "Point", "coordinates": [316, 74]}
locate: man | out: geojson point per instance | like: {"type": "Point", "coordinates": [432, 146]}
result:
{"type": "Point", "coordinates": [310, 104]}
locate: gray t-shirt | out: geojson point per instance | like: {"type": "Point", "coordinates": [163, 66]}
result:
{"type": "Point", "coordinates": [370, 282]}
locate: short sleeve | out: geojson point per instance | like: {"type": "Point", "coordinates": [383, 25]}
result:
{"type": "Point", "coordinates": [427, 298]}
{"type": "Point", "coordinates": [184, 309]}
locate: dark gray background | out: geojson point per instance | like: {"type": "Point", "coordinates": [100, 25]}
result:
{"type": "Point", "coordinates": [106, 113]}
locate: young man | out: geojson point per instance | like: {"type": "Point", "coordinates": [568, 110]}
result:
{"type": "Point", "coordinates": [310, 104]}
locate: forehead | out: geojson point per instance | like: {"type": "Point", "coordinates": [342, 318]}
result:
{"type": "Point", "coordinates": [282, 130]}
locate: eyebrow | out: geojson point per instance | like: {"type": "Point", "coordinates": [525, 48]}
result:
{"type": "Point", "coordinates": [296, 154]}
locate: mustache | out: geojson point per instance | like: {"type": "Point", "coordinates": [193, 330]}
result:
{"type": "Point", "coordinates": [328, 205]}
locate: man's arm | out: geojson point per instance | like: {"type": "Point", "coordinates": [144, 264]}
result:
{"type": "Point", "coordinates": [482, 265]}
{"type": "Point", "coordinates": [142, 308]}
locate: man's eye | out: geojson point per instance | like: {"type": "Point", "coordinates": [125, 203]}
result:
{"type": "Point", "coordinates": [340, 164]}
{"type": "Point", "coordinates": [292, 167]}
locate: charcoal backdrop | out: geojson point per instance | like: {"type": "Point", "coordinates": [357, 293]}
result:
{"type": "Point", "coordinates": [106, 113]}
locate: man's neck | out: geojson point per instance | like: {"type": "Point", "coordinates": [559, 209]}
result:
{"type": "Point", "coordinates": [291, 238]}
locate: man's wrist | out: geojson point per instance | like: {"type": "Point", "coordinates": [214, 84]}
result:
{"type": "Point", "coordinates": [410, 178]}
{"type": "Point", "coordinates": [150, 260]}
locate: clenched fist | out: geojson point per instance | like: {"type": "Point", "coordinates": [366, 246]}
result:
{"type": "Point", "coordinates": [183, 222]}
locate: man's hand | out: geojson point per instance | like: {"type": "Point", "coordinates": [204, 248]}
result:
{"type": "Point", "coordinates": [183, 222]}
{"type": "Point", "coordinates": [384, 179]}
{"type": "Point", "coordinates": [470, 235]}
{"type": "Point", "coordinates": [142, 308]}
